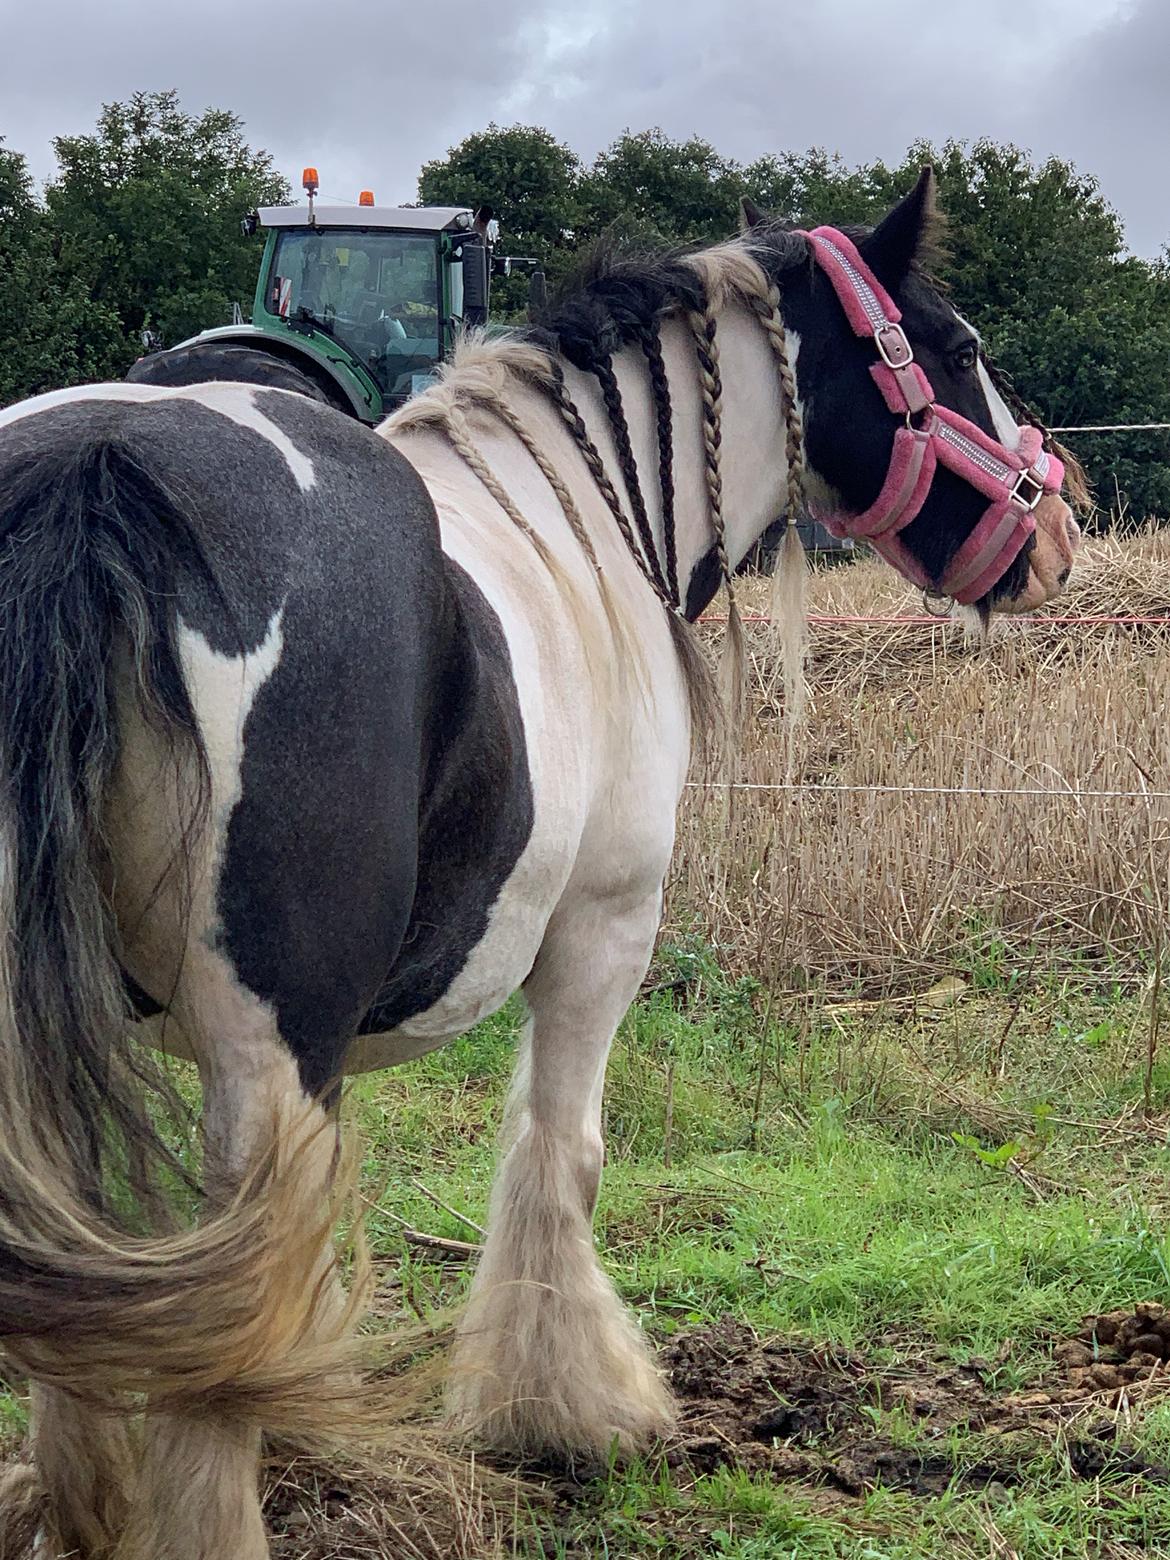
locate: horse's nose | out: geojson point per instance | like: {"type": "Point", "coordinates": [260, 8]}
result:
{"type": "Point", "coordinates": [1063, 578]}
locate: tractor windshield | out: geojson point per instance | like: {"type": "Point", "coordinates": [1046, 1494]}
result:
{"type": "Point", "coordinates": [377, 292]}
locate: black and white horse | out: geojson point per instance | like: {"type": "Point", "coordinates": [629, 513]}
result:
{"type": "Point", "coordinates": [325, 742]}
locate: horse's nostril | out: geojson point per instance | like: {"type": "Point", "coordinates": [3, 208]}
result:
{"type": "Point", "coordinates": [1063, 578]}
{"type": "Point", "coordinates": [1074, 533]}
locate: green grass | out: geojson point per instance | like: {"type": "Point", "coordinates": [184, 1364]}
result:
{"type": "Point", "coordinates": [914, 1181]}
{"type": "Point", "coordinates": [943, 1181]}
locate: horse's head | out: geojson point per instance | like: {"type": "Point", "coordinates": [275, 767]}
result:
{"type": "Point", "coordinates": [909, 444]}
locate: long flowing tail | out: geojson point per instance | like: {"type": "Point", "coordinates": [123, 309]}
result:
{"type": "Point", "coordinates": [101, 1291]}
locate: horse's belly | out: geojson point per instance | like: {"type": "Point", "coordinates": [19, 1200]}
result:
{"type": "Point", "coordinates": [496, 967]}
{"type": "Point", "coordinates": [370, 1053]}
{"type": "Point", "coordinates": [420, 1008]}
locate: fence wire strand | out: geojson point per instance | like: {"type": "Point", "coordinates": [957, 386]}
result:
{"type": "Point", "coordinates": [1071, 794]}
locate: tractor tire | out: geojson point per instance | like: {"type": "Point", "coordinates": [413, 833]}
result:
{"type": "Point", "coordinates": [208, 360]}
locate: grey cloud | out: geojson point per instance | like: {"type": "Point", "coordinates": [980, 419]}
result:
{"type": "Point", "coordinates": [367, 92]}
{"type": "Point", "coordinates": [1108, 109]}
{"type": "Point", "coordinates": [364, 91]}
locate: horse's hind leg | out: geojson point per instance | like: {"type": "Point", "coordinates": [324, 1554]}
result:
{"type": "Point", "coordinates": [198, 1489]}
{"type": "Point", "coordinates": [85, 1465]}
{"type": "Point", "coordinates": [547, 1357]}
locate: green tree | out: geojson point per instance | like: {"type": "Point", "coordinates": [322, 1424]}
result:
{"type": "Point", "coordinates": [532, 183]}
{"type": "Point", "coordinates": [24, 258]}
{"type": "Point", "coordinates": [813, 187]}
{"type": "Point", "coordinates": [676, 191]}
{"type": "Point", "coordinates": [146, 217]}
{"type": "Point", "coordinates": [47, 322]}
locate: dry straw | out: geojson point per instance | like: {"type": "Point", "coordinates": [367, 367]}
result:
{"type": "Point", "coordinates": [890, 886]}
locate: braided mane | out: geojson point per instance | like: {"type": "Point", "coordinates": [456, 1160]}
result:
{"type": "Point", "coordinates": [616, 300]}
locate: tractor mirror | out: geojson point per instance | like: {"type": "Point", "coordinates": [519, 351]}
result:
{"type": "Point", "coordinates": [475, 283]}
{"type": "Point", "coordinates": [537, 294]}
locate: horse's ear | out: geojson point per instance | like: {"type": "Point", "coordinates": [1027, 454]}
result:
{"type": "Point", "coordinates": [750, 215]}
{"type": "Point", "coordinates": [907, 234]}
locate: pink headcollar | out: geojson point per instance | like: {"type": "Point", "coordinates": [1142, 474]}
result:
{"type": "Point", "coordinates": [1013, 480]}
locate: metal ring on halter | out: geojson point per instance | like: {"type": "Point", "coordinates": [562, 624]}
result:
{"type": "Point", "coordinates": [937, 604]}
{"type": "Point", "coordinates": [1028, 490]}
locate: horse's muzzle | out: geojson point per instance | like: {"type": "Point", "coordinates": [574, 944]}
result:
{"type": "Point", "coordinates": [1054, 545]}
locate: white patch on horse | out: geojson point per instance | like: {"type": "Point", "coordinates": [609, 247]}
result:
{"type": "Point", "coordinates": [237, 402]}
{"type": "Point", "coordinates": [222, 689]}
{"type": "Point", "coordinates": [210, 1015]}
{"type": "Point", "coordinates": [55, 398]}
{"type": "Point", "coordinates": [1007, 430]}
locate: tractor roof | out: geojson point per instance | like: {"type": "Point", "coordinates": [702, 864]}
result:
{"type": "Point", "coordinates": [416, 219]}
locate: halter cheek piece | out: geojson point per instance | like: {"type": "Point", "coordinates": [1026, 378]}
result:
{"type": "Point", "coordinates": [1013, 480]}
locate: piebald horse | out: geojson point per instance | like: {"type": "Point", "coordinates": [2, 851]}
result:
{"type": "Point", "coordinates": [322, 742]}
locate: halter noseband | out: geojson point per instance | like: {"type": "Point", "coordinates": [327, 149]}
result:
{"type": "Point", "coordinates": [1013, 480]}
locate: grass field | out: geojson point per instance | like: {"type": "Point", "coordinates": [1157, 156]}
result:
{"type": "Point", "coordinates": [922, 1201]}
{"type": "Point", "coordinates": [888, 1127]}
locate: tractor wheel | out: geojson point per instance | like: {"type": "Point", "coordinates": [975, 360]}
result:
{"type": "Point", "coordinates": [205, 360]}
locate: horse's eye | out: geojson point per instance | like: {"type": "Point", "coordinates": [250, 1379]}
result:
{"type": "Point", "coordinates": [966, 357]}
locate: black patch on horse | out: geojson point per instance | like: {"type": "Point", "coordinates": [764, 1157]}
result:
{"type": "Point", "coordinates": [386, 795]}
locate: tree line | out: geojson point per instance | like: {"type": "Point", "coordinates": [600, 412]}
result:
{"type": "Point", "coordinates": [139, 231]}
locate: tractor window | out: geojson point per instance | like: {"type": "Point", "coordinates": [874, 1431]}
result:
{"type": "Point", "coordinates": [377, 292]}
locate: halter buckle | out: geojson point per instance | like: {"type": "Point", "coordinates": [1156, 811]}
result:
{"type": "Point", "coordinates": [893, 347]}
{"type": "Point", "coordinates": [1028, 491]}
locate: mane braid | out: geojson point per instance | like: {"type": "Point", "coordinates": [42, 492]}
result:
{"type": "Point", "coordinates": [612, 396]}
{"type": "Point", "coordinates": [766, 307]}
{"type": "Point", "coordinates": [460, 435]}
{"type": "Point", "coordinates": [706, 712]}
{"type": "Point", "coordinates": [703, 330]}
{"type": "Point", "coordinates": [576, 424]}
{"type": "Point", "coordinates": [660, 388]}
{"type": "Point", "coordinates": [734, 662]}
{"type": "Point", "coordinates": [507, 414]}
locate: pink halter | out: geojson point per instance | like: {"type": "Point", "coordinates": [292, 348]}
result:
{"type": "Point", "coordinates": [1013, 480]}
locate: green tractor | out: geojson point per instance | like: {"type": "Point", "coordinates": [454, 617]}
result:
{"type": "Point", "coordinates": [355, 306]}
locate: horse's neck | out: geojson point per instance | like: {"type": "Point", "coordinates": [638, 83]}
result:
{"type": "Point", "coordinates": [752, 461]}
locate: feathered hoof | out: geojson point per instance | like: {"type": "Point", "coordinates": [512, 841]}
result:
{"type": "Point", "coordinates": [578, 1403]}
{"type": "Point", "coordinates": [22, 1512]}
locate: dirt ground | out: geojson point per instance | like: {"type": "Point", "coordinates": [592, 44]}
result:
{"type": "Point", "coordinates": [815, 1416]}
{"type": "Point", "coordinates": [828, 1420]}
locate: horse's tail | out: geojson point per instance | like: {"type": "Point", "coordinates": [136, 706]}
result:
{"type": "Point", "coordinates": [101, 1291]}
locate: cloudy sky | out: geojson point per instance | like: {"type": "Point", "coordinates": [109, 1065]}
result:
{"type": "Point", "coordinates": [369, 89]}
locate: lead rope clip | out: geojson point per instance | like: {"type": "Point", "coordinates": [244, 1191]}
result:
{"type": "Point", "coordinates": [937, 604]}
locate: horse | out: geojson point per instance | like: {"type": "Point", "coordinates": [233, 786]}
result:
{"type": "Point", "coordinates": [317, 743]}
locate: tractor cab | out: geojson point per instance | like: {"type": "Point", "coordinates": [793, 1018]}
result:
{"type": "Point", "coordinates": [389, 286]}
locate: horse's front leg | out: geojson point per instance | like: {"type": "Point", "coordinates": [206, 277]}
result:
{"type": "Point", "coordinates": [547, 1358]}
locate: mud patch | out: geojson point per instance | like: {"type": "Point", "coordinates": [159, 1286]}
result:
{"type": "Point", "coordinates": [1117, 1349]}
{"type": "Point", "coordinates": [830, 1417]}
